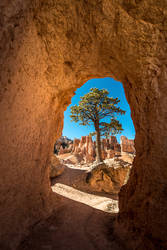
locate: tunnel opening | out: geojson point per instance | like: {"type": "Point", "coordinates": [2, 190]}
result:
{"type": "Point", "coordinates": [95, 204]}
{"type": "Point", "coordinates": [48, 49]}
{"type": "Point", "coordinates": [74, 161]}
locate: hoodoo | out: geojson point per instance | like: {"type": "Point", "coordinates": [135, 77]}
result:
{"type": "Point", "coordinates": [47, 50]}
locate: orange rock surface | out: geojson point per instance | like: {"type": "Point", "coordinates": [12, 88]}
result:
{"type": "Point", "coordinates": [47, 50]}
{"type": "Point", "coordinates": [86, 148]}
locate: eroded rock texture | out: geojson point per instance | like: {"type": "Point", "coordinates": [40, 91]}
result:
{"type": "Point", "coordinates": [56, 167]}
{"type": "Point", "coordinates": [48, 49]}
{"type": "Point", "coordinates": [109, 178]}
{"type": "Point", "coordinates": [127, 146]}
{"type": "Point", "coordinates": [86, 148]}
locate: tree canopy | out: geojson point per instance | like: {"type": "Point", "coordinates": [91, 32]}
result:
{"type": "Point", "coordinates": [93, 108]}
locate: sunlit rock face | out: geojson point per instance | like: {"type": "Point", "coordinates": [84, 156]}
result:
{"type": "Point", "coordinates": [127, 146]}
{"type": "Point", "coordinates": [50, 48]}
{"type": "Point", "coordinates": [108, 177]}
{"type": "Point", "coordinates": [56, 168]}
{"type": "Point", "coordinates": [85, 148]}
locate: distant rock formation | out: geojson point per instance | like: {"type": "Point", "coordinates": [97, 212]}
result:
{"type": "Point", "coordinates": [85, 148]}
{"type": "Point", "coordinates": [127, 146]}
{"type": "Point", "coordinates": [63, 145]}
{"type": "Point", "coordinates": [110, 147]}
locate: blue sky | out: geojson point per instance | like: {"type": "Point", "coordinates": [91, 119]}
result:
{"type": "Point", "coordinates": [74, 130]}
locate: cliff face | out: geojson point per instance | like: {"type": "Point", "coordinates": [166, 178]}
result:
{"type": "Point", "coordinates": [50, 48]}
{"type": "Point", "coordinates": [127, 146]}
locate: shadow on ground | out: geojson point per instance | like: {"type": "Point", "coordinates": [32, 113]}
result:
{"type": "Point", "coordinates": [73, 226]}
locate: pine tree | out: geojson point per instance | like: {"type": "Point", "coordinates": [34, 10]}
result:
{"type": "Point", "coordinates": [94, 108]}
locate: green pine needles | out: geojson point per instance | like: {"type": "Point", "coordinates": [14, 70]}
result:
{"type": "Point", "coordinates": [94, 108]}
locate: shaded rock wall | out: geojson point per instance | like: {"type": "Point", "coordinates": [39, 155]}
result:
{"type": "Point", "coordinates": [50, 48]}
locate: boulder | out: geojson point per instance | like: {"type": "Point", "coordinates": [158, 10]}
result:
{"type": "Point", "coordinates": [56, 167]}
{"type": "Point", "coordinates": [108, 178]}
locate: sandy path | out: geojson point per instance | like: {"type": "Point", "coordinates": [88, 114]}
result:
{"type": "Point", "coordinates": [74, 225]}
{"type": "Point", "coordinates": [98, 202]}
{"type": "Point", "coordinates": [76, 178]}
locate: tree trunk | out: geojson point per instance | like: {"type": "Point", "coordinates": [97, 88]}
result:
{"type": "Point", "coordinates": [98, 143]}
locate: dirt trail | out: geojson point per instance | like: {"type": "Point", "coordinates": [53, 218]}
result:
{"type": "Point", "coordinates": [73, 225]}
{"type": "Point", "coordinates": [98, 202]}
{"type": "Point", "coordinates": [76, 178]}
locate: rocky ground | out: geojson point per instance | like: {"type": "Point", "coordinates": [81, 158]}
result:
{"type": "Point", "coordinates": [74, 226]}
{"type": "Point", "coordinates": [99, 202]}
{"type": "Point", "coordinates": [84, 218]}
{"type": "Point", "coordinates": [104, 179]}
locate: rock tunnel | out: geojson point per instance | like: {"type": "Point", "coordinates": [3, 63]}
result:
{"type": "Point", "coordinates": [48, 49]}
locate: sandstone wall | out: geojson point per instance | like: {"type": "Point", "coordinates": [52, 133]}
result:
{"type": "Point", "coordinates": [50, 48]}
{"type": "Point", "coordinates": [127, 146]}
